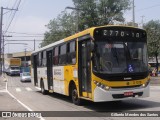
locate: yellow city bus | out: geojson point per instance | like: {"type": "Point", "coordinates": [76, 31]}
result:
{"type": "Point", "coordinates": [106, 63]}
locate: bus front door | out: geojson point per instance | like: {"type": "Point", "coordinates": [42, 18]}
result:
{"type": "Point", "coordinates": [35, 70]}
{"type": "Point", "coordinates": [49, 70]}
{"type": "Point", "coordinates": [84, 68]}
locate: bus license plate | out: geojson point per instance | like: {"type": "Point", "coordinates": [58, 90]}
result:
{"type": "Point", "coordinates": [128, 93]}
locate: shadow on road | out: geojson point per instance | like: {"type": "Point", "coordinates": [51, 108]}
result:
{"type": "Point", "coordinates": [132, 104]}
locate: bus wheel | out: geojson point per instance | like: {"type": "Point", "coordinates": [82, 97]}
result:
{"type": "Point", "coordinates": [43, 91]}
{"type": "Point", "coordinates": [75, 99]}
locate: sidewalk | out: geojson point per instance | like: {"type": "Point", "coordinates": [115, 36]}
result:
{"type": "Point", "coordinates": [2, 84]}
{"type": "Point", "coordinates": [7, 103]}
{"type": "Point", "coordinates": [155, 81]}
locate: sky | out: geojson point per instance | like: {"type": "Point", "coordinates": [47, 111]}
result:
{"type": "Point", "coordinates": [33, 15]}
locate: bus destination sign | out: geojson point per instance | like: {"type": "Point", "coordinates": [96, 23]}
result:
{"type": "Point", "coordinates": [131, 33]}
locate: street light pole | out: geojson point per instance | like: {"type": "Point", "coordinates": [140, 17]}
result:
{"type": "Point", "coordinates": [77, 11]}
{"type": "Point", "coordinates": [3, 50]}
{"type": "Point", "coordinates": [133, 23]}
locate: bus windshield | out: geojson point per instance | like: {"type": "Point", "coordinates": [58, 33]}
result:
{"type": "Point", "coordinates": [120, 57]}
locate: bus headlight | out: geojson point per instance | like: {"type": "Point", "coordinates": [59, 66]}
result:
{"type": "Point", "coordinates": [145, 85]}
{"type": "Point", "coordinates": [104, 87]}
{"type": "Point", "coordinates": [95, 82]}
{"type": "Point", "coordinates": [107, 88]}
{"type": "Point", "coordinates": [98, 84]}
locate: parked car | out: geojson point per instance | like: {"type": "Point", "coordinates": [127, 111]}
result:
{"type": "Point", "coordinates": [25, 77]}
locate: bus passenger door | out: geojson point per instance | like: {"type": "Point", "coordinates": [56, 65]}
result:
{"type": "Point", "coordinates": [84, 67]}
{"type": "Point", "coordinates": [49, 69]}
{"type": "Point", "coordinates": [35, 70]}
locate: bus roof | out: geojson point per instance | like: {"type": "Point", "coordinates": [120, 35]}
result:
{"type": "Point", "coordinates": [48, 46]}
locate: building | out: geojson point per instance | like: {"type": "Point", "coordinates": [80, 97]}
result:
{"type": "Point", "coordinates": [25, 57]}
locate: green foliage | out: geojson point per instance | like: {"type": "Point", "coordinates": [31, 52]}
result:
{"type": "Point", "coordinates": [100, 12]}
{"type": "Point", "coordinates": [153, 33]}
{"type": "Point", "coordinates": [88, 13]}
{"type": "Point", "coordinates": [59, 28]}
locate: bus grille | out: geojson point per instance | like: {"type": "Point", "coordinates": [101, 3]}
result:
{"type": "Point", "coordinates": [126, 87]}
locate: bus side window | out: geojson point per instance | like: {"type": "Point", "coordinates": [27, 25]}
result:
{"type": "Point", "coordinates": [55, 57]}
{"type": "Point", "coordinates": [32, 60]}
{"type": "Point", "coordinates": [62, 55]}
{"type": "Point", "coordinates": [44, 59]}
{"type": "Point", "coordinates": [71, 52]}
{"type": "Point", "coordinates": [40, 59]}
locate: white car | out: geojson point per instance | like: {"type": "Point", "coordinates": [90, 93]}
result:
{"type": "Point", "coordinates": [25, 77]}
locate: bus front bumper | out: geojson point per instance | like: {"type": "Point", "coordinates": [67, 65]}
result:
{"type": "Point", "coordinates": [101, 95]}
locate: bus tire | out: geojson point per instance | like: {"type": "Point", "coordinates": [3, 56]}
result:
{"type": "Point", "coordinates": [75, 99]}
{"type": "Point", "coordinates": [43, 91]}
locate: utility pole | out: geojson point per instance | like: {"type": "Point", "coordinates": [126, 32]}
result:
{"type": "Point", "coordinates": [1, 40]}
{"type": "Point", "coordinates": [34, 44]}
{"type": "Point", "coordinates": [2, 50]}
{"type": "Point", "coordinates": [2, 54]}
{"type": "Point", "coordinates": [1, 22]}
{"type": "Point", "coordinates": [133, 7]}
{"type": "Point", "coordinates": [142, 21]}
{"type": "Point", "coordinates": [25, 57]}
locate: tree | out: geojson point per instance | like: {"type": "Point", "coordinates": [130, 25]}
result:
{"type": "Point", "coordinates": [91, 13]}
{"type": "Point", "coordinates": [153, 28]}
{"type": "Point", "coordinates": [100, 12]}
{"type": "Point", "coordinates": [59, 28]}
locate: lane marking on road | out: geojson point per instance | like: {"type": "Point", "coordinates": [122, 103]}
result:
{"type": "Point", "coordinates": [18, 90]}
{"type": "Point", "coordinates": [29, 109]}
{"type": "Point", "coordinates": [4, 90]}
{"type": "Point", "coordinates": [28, 89]}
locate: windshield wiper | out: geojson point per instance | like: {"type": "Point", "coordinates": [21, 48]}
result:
{"type": "Point", "coordinates": [126, 49]}
{"type": "Point", "coordinates": [114, 52]}
{"type": "Point", "coordinates": [95, 61]}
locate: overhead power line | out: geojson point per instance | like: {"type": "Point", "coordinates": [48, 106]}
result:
{"type": "Point", "coordinates": [139, 10]}
{"type": "Point", "coordinates": [12, 17]}
{"type": "Point", "coordinates": [26, 33]}
{"type": "Point", "coordinates": [23, 40]}
{"type": "Point", "coordinates": [149, 7]}
{"type": "Point", "coordinates": [29, 36]}
{"type": "Point", "coordinates": [17, 15]}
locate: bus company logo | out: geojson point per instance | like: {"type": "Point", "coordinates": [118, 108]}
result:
{"type": "Point", "coordinates": [57, 72]}
{"type": "Point", "coordinates": [6, 114]}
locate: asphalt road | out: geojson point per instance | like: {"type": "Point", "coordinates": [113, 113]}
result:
{"type": "Point", "coordinates": [31, 98]}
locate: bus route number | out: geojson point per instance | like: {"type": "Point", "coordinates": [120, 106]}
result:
{"type": "Point", "coordinates": [117, 33]}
